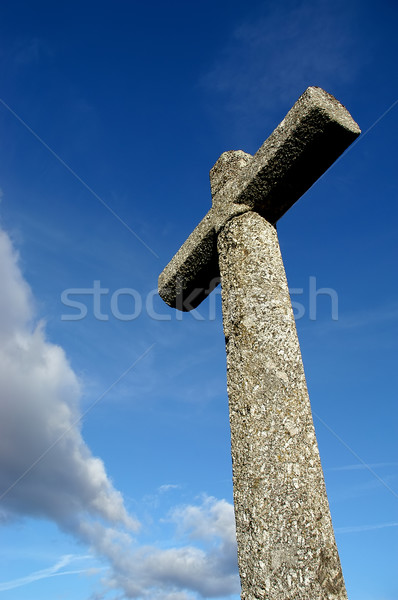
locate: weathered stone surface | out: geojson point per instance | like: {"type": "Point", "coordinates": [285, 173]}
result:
{"type": "Point", "coordinates": [310, 138]}
{"type": "Point", "coordinates": [186, 280]}
{"type": "Point", "coordinates": [286, 545]}
{"type": "Point", "coordinates": [193, 272]}
{"type": "Point", "coordinates": [303, 146]}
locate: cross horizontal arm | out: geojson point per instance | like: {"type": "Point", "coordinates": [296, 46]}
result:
{"type": "Point", "coordinates": [314, 133]}
{"type": "Point", "coordinates": [309, 139]}
{"type": "Point", "coordinates": [188, 277]}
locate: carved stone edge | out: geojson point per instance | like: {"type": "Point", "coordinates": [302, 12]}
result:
{"type": "Point", "coordinates": [314, 133]}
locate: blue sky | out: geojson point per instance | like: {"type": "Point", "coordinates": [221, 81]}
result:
{"type": "Point", "coordinates": [114, 434]}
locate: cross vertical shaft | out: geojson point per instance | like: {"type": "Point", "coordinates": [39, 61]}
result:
{"type": "Point", "coordinates": [286, 546]}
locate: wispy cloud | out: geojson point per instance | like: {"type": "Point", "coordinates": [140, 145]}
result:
{"type": "Point", "coordinates": [361, 467]}
{"type": "Point", "coordinates": [279, 51]}
{"type": "Point", "coordinates": [360, 528]}
{"type": "Point", "coordinates": [53, 571]}
{"type": "Point", "coordinates": [360, 460]}
{"type": "Point", "coordinates": [167, 487]}
{"type": "Point", "coordinates": [370, 317]}
{"type": "Point", "coordinates": [371, 486]}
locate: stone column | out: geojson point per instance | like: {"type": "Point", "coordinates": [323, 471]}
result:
{"type": "Point", "coordinates": [287, 549]}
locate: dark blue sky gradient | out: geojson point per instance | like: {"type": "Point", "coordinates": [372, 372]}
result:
{"type": "Point", "coordinates": [139, 100]}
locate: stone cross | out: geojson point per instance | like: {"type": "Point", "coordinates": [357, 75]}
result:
{"type": "Point", "coordinates": [286, 544]}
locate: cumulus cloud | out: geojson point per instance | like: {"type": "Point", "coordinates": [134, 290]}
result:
{"type": "Point", "coordinates": [208, 571]}
{"type": "Point", "coordinates": [40, 410]}
{"type": "Point", "coordinates": [48, 471]}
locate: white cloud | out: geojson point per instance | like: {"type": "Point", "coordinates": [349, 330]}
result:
{"type": "Point", "coordinates": [214, 518]}
{"type": "Point", "coordinates": [48, 471]}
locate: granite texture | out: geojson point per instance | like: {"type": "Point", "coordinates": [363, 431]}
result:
{"type": "Point", "coordinates": [308, 140]}
{"type": "Point", "coordinates": [286, 545]}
